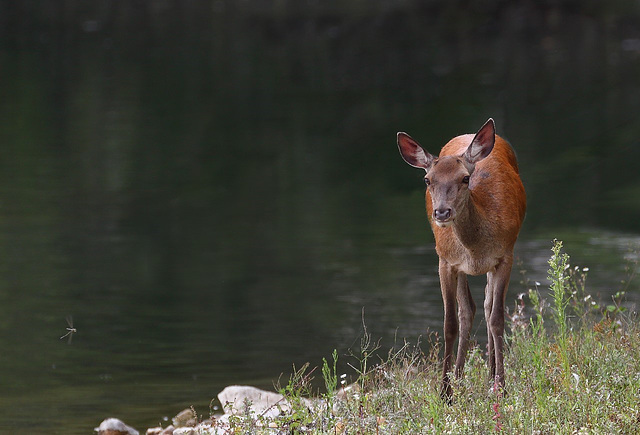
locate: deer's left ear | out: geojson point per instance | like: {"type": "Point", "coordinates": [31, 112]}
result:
{"type": "Point", "coordinates": [482, 143]}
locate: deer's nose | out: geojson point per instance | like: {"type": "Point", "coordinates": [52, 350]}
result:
{"type": "Point", "coordinates": [442, 215]}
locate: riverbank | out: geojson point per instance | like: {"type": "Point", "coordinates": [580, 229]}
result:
{"type": "Point", "coordinates": [572, 366]}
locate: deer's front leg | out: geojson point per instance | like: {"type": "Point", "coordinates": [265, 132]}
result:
{"type": "Point", "coordinates": [448, 284]}
{"type": "Point", "coordinates": [466, 313]}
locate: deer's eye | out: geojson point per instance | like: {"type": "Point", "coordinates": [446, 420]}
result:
{"type": "Point", "coordinates": [427, 181]}
{"type": "Point", "coordinates": [465, 180]}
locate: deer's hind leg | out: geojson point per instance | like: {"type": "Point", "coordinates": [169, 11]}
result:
{"type": "Point", "coordinates": [488, 305]}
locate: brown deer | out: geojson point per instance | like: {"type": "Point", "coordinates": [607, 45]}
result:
{"type": "Point", "coordinates": [476, 204]}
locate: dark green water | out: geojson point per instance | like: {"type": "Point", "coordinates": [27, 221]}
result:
{"type": "Point", "coordinates": [214, 193]}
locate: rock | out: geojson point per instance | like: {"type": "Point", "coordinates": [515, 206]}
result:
{"type": "Point", "coordinates": [260, 405]}
{"type": "Point", "coordinates": [347, 390]}
{"type": "Point", "coordinates": [185, 418]}
{"type": "Point", "coordinates": [352, 391]}
{"type": "Point", "coordinates": [113, 426]}
{"type": "Point", "coordinates": [160, 431]}
{"type": "Point", "coordinates": [236, 398]}
{"type": "Point", "coordinates": [223, 420]}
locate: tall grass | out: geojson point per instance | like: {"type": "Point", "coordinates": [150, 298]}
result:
{"type": "Point", "coordinates": [574, 370]}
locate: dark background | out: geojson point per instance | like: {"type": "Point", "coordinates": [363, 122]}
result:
{"type": "Point", "coordinates": [213, 190]}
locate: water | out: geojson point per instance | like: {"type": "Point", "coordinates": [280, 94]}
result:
{"type": "Point", "coordinates": [214, 193]}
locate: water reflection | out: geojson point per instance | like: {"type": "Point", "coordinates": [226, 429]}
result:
{"type": "Point", "coordinates": [214, 192]}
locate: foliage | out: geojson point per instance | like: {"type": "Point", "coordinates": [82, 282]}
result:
{"type": "Point", "coordinates": [330, 376]}
{"type": "Point", "coordinates": [558, 264]}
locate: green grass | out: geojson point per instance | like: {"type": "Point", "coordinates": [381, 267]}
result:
{"type": "Point", "coordinates": [572, 367]}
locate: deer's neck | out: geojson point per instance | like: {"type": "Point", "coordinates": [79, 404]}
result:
{"type": "Point", "coordinates": [468, 226]}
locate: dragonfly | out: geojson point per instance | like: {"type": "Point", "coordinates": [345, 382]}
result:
{"type": "Point", "coordinates": [70, 330]}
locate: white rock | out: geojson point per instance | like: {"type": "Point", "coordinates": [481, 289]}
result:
{"type": "Point", "coordinates": [223, 420]}
{"type": "Point", "coordinates": [160, 431]}
{"type": "Point", "coordinates": [186, 417]}
{"type": "Point", "coordinates": [113, 426]}
{"type": "Point", "coordinates": [235, 398]}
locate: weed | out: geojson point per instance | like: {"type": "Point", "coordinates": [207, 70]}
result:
{"type": "Point", "coordinates": [330, 375]}
{"type": "Point", "coordinates": [558, 265]}
{"type": "Point", "coordinates": [367, 350]}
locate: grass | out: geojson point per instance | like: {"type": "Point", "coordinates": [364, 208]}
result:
{"type": "Point", "coordinates": [572, 367]}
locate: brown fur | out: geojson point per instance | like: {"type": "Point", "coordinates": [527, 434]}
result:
{"type": "Point", "coordinates": [475, 188]}
{"type": "Point", "coordinates": [499, 196]}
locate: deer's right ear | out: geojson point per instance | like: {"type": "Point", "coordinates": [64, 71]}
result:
{"type": "Point", "coordinates": [412, 152]}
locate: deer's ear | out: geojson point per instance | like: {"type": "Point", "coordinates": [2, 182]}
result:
{"type": "Point", "coordinates": [412, 152]}
{"type": "Point", "coordinates": [482, 143]}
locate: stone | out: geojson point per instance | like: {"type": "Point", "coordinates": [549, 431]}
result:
{"type": "Point", "coordinates": [347, 390]}
{"type": "Point", "coordinates": [114, 426]}
{"type": "Point", "coordinates": [236, 398]}
{"type": "Point", "coordinates": [160, 431]}
{"type": "Point", "coordinates": [260, 405]}
{"type": "Point", "coordinates": [185, 418]}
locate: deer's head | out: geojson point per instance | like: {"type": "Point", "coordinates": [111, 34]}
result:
{"type": "Point", "coordinates": [448, 177]}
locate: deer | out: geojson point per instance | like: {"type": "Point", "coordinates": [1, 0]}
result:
{"type": "Point", "coordinates": [476, 204]}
